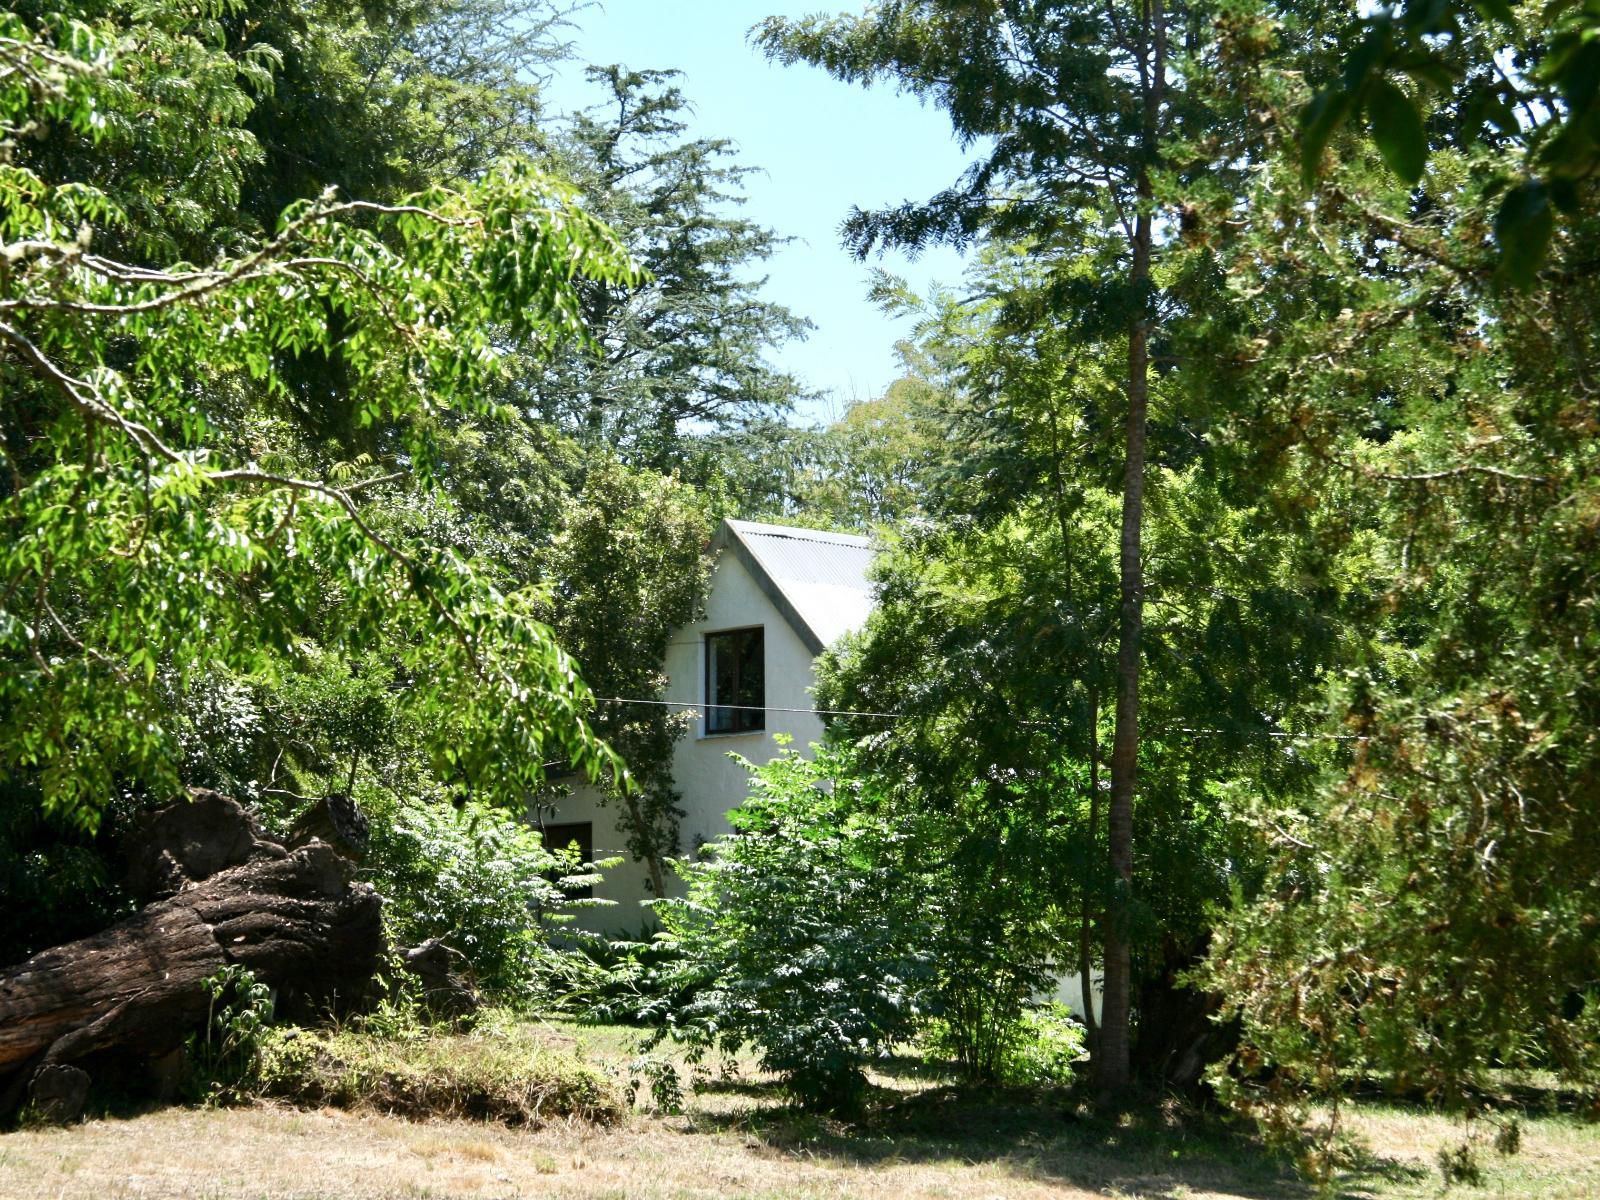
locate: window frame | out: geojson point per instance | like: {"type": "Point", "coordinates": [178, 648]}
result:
{"type": "Point", "coordinates": [744, 719]}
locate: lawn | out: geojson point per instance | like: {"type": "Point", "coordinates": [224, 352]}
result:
{"type": "Point", "coordinates": [736, 1139]}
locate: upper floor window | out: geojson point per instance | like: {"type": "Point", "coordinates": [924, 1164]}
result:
{"type": "Point", "coordinates": [736, 681]}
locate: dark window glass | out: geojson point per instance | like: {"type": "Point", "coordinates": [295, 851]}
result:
{"type": "Point", "coordinates": [579, 833]}
{"type": "Point", "coordinates": [736, 676]}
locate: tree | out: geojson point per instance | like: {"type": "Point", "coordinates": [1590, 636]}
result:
{"type": "Point", "coordinates": [1076, 104]}
{"type": "Point", "coordinates": [679, 352]}
{"type": "Point", "coordinates": [874, 465]}
{"type": "Point", "coordinates": [994, 643]}
{"type": "Point", "coordinates": [1430, 920]}
{"type": "Point", "coordinates": [151, 532]}
{"type": "Point", "coordinates": [630, 566]}
{"type": "Point", "coordinates": [1496, 80]}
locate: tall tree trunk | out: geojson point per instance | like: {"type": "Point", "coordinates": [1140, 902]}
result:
{"type": "Point", "coordinates": [646, 835]}
{"type": "Point", "coordinates": [1112, 1069]}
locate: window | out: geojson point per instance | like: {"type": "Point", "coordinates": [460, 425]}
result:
{"type": "Point", "coordinates": [559, 837]}
{"type": "Point", "coordinates": [736, 676]}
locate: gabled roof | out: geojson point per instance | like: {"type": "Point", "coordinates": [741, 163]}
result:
{"type": "Point", "coordinates": [817, 580]}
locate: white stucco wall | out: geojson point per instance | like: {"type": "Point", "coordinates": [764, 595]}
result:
{"type": "Point", "coordinates": [709, 782]}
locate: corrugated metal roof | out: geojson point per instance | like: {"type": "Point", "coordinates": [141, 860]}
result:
{"type": "Point", "coordinates": [823, 576]}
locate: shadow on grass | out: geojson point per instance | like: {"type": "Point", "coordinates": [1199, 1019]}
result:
{"type": "Point", "coordinates": [1157, 1149]}
{"type": "Point", "coordinates": [1365, 1168]}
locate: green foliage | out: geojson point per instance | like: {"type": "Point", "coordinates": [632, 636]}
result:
{"type": "Point", "coordinates": [1049, 1042]}
{"type": "Point", "coordinates": [481, 881]}
{"type": "Point", "coordinates": [631, 563]}
{"type": "Point", "coordinates": [1035, 1045]}
{"type": "Point", "coordinates": [994, 638]}
{"type": "Point", "coordinates": [152, 535]}
{"type": "Point", "coordinates": [226, 1058]}
{"type": "Point", "coordinates": [1429, 915]}
{"type": "Point", "coordinates": [1527, 81]}
{"type": "Point", "coordinates": [800, 934]}
{"type": "Point", "coordinates": [657, 1078]}
{"type": "Point", "coordinates": [59, 882]}
{"type": "Point", "coordinates": [678, 354]}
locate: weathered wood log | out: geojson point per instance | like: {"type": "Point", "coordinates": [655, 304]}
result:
{"type": "Point", "coordinates": [60, 1093]}
{"type": "Point", "coordinates": [189, 841]}
{"type": "Point", "coordinates": [337, 820]}
{"type": "Point", "coordinates": [445, 992]}
{"type": "Point", "coordinates": [294, 918]}
{"type": "Point", "coordinates": [136, 984]}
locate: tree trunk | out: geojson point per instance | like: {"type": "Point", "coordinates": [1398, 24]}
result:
{"type": "Point", "coordinates": [652, 858]}
{"type": "Point", "coordinates": [1112, 1070]}
{"type": "Point", "coordinates": [1179, 1036]}
{"type": "Point", "coordinates": [293, 918]}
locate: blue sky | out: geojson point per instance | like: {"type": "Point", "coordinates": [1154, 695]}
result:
{"type": "Point", "coordinates": [822, 147]}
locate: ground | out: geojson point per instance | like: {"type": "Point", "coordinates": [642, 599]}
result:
{"type": "Point", "coordinates": [735, 1139]}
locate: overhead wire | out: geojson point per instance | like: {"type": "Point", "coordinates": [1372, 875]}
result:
{"type": "Point", "coordinates": [894, 716]}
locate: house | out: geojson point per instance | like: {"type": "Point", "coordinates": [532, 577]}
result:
{"type": "Point", "coordinates": [778, 596]}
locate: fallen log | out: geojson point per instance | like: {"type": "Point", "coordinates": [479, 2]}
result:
{"type": "Point", "coordinates": [296, 919]}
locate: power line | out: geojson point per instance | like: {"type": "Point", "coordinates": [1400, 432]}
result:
{"type": "Point", "coordinates": [892, 716]}
{"type": "Point", "coordinates": [766, 708]}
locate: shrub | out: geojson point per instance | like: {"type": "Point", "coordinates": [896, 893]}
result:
{"type": "Point", "coordinates": [1036, 1047]}
{"type": "Point", "coordinates": [227, 1053]}
{"type": "Point", "coordinates": [801, 933]}
{"type": "Point", "coordinates": [481, 881]}
{"type": "Point", "coordinates": [1049, 1041]}
{"type": "Point", "coordinates": [996, 932]}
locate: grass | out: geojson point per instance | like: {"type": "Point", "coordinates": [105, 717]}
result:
{"type": "Point", "coordinates": [736, 1138]}
{"type": "Point", "coordinates": [513, 1073]}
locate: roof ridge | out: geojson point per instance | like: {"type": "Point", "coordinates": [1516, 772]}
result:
{"type": "Point", "coordinates": [801, 533]}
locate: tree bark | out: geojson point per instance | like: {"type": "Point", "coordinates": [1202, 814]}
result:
{"type": "Point", "coordinates": [1113, 1069]}
{"type": "Point", "coordinates": [293, 918]}
{"type": "Point", "coordinates": [652, 859]}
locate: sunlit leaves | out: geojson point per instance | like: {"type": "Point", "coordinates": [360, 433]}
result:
{"type": "Point", "coordinates": [1470, 62]}
{"type": "Point", "coordinates": [145, 541]}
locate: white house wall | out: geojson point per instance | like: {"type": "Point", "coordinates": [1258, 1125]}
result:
{"type": "Point", "coordinates": [708, 781]}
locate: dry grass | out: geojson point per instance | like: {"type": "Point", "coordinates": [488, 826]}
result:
{"type": "Point", "coordinates": [1559, 1156]}
{"type": "Point", "coordinates": [268, 1153]}
{"type": "Point", "coordinates": [737, 1140]}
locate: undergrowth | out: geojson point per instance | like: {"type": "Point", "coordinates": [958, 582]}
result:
{"type": "Point", "coordinates": [497, 1072]}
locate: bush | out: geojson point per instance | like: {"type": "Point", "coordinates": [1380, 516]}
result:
{"type": "Point", "coordinates": [481, 881]}
{"type": "Point", "coordinates": [1049, 1041]}
{"type": "Point", "coordinates": [996, 933]}
{"type": "Point", "coordinates": [801, 933]}
{"type": "Point", "coordinates": [1036, 1047]}
{"type": "Point", "coordinates": [227, 1054]}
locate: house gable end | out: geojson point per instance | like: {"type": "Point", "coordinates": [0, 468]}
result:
{"type": "Point", "coordinates": [726, 539]}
